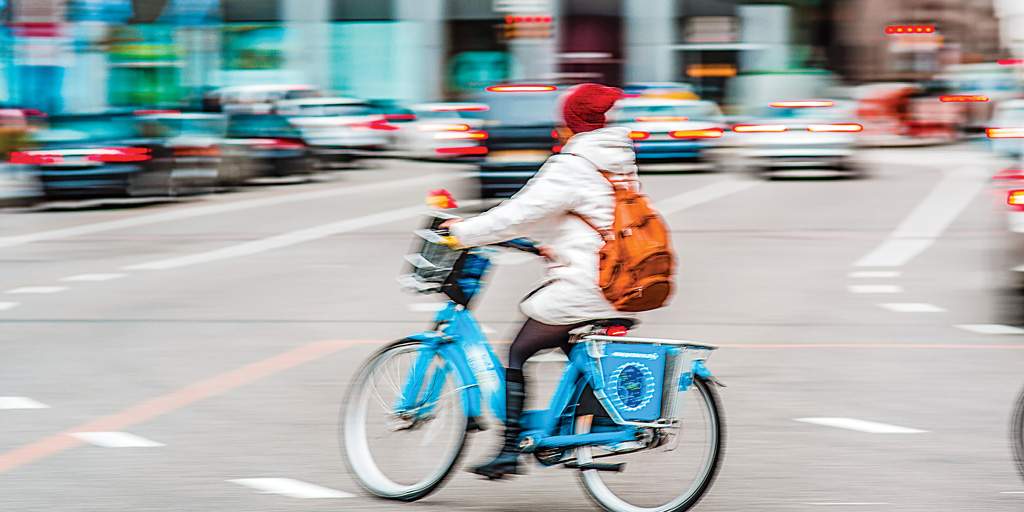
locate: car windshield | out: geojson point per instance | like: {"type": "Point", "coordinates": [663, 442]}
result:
{"type": "Point", "coordinates": [204, 126]}
{"type": "Point", "coordinates": [521, 108]}
{"type": "Point", "coordinates": [799, 113]}
{"type": "Point", "coordinates": [260, 125]}
{"type": "Point", "coordinates": [88, 129]}
{"type": "Point", "coordinates": [329, 109]}
{"type": "Point", "coordinates": [694, 112]}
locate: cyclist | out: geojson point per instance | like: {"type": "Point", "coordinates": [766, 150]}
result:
{"type": "Point", "coordinates": [567, 187]}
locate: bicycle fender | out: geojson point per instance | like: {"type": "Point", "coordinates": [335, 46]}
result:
{"type": "Point", "coordinates": [702, 371]}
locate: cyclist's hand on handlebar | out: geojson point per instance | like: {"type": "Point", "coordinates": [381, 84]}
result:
{"type": "Point", "coordinates": [448, 223]}
{"type": "Point", "coordinates": [547, 252]}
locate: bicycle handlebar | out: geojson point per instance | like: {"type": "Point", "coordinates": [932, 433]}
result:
{"type": "Point", "coordinates": [521, 244]}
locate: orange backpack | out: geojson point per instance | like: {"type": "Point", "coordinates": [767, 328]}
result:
{"type": "Point", "coordinates": [637, 263]}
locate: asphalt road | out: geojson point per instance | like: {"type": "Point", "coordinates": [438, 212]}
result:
{"type": "Point", "coordinates": [224, 330]}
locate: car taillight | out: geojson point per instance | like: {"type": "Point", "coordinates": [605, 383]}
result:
{"type": "Point", "coordinates": [710, 133]}
{"type": "Point", "coordinates": [1010, 62]}
{"type": "Point", "coordinates": [377, 124]}
{"type": "Point", "coordinates": [480, 135]}
{"type": "Point", "coordinates": [469, 150]}
{"type": "Point", "coordinates": [155, 112]}
{"type": "Point", "coordinates": [277, 144]}
{"type": "Point", "coordinates": [521, 88]}
{"type": "Point", "coordinates": [20, 157]}
{"type": "Point", "coordinates": [963, 98]}
{"type": "Point", "coordinates": [753, 128]}
{"type": "Point", "coordinates": [474, 108]}
{"type": "Point", "coordinates": [652, 119]}
{"type": "Point", "coordinates": [835, 128]}
{"type": "Point", "coordinates": [443, 127]}
{"type": "Point", "coordinates": [1016, 198]}
{"type": "Point", "coordinates": [112, 155]}
{"type": "Point", "coordinates": [802, 104]}
{"type": "Point", "coordinates": [635, 135]}
{"type": "Point", "coordinates": [1009, 174]}
{"type": "Point", "coordinates": [1004, 133]}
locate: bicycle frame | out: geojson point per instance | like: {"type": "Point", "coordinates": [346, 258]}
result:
{"type": "Point", "coordinates": [480, 378]}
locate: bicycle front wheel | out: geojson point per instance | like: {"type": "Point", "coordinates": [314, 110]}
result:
{"type": "Point", "coordinates": [402, 439]}
{"type": "Point", "coordinates": [1017, 434]}
{"type": "Point", "coordinates": [670, 475]}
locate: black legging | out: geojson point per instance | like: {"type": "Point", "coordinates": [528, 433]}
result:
{"type": "Point", "coordinates": [536, 336]}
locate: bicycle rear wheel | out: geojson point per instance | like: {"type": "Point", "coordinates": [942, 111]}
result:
{"type": "Point", "coordinates": [1017, 434]}
{"type": "Point", "coordinates": [669, 477]}
{"type": "Point", "coordinates": [403, 454]}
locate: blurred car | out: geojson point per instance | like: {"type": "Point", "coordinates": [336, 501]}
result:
{"type": "Point", "coordinates": [339, 129]}
{"type": "Point", "coordinates": [195, 144]}
{"type": "Point", "coordinates": [443, 131]}
{"type": "Point", "coordinates": [800, 135]}
{"type": "Point", "coordinates": [119, 155]}
{"type": "Point", "coordinates": [1006, 128]}
{"type": "Point", "coordinates": [255, 97]}
{"type": "Point", "coordinates": [1007, 193]}
{"type": "Point", "coordinates": [661, 90]}
{"type": "Point", "coordinates": [520, 136]}
{"type": "Point", "coordinates": [670, 131]}
{"type": "Point", "coordinates": [273, 147]}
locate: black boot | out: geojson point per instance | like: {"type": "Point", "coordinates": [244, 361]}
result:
{"type": "Point", "coordinates": [506, 463]}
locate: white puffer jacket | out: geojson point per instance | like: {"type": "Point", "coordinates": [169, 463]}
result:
{"type": "Point", "coordinates": [566, 183]}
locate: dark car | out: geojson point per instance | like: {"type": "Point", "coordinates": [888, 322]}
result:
{"type": "Point", "coordinates": [274, 146]}
{"type": "Point", "coordinates": [110, 155]}
{"type": "Point", "coordinates": [520, 136]}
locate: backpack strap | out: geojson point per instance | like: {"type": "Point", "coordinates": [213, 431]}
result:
{"type": "Point", "coordinates": [606, 235]}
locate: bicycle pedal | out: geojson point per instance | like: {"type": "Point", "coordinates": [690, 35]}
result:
{"type": "Point", "coordinates": [596, 465]}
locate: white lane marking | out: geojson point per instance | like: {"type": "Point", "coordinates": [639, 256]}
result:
{"type": "Point", "coordinates": [912, 307]}
{"type": "Point", "coordinates": [513, 258]}
{"type": "Point", "coordinates": [991, 328]}
{"type": "Point", "coordinates": [8, 305]}
{"type": "Point", "coordinates": [286, 239]}
{"type": "Point", "coordinates": [870, 274]}
{"type": "Point", "coordinates": [20, 402]}
{"type": "Point", "coordinates": [94, 277]}
{"type": "Point", "coordinates": [703, 195]}
{"type": "Point", "coordinates": [38, 289]}
{"type": "Point", "coordinates": [870, 427]}
{"type": "Point", "coordinates": [556, 356]}
{"type": "Point", "coordinates": [198, 211]}
{"type": "Point", "coordinates": [116, 440]}
{"type": "Point", "coordinates": [290, 488]}
{"type": "Point", "coordinates": [875, 288]}
{"type": "Point", "coordinates": [932, 216]}
{"type": "Point", "coordinates": [425, 307]}
{"type": "Point", "coordinates": [854, 503]}
{"type": "Point", "coordinates": [1012, 492]}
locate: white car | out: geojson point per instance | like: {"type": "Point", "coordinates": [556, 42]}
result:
{"type": "Point", "coordinates": [255, 97]}
{"type": "Point", "coordinates": [799, 136]}
{"type": "Point", "coordinates": [443, 131]}
{"type": "Point", "coordinates": [1006, 128]}
{"type": "Point", "coordinates": [337, 128]}
{"type": "Point", "coordinates": [670, 131]}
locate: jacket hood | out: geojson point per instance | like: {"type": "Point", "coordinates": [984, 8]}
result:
{"type": "Point", "coordinates": [610, 149]}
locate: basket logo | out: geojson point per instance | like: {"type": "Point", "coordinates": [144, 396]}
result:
{"type": "Point", "coordinates": [633, 386]}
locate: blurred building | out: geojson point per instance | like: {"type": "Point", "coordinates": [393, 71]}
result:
{"type": "Point", "coordinates": [88, 55]}
{"type": "Point", "coordinates": [966, 31]}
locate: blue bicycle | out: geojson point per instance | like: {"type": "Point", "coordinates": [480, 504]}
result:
{"type": "Point", "coordinates": [650, 403]}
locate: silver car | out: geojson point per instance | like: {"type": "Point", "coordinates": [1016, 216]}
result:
{"type": "Point", "coordinates": [793, 137]}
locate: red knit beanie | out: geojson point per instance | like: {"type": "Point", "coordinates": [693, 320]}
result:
{"type": "Point", "coordinates": [583, 106]}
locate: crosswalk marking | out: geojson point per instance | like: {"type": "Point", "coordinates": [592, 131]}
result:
{"type": "Point", "coordinates": [991, 328]}
{"type": "Point", "coordinates": [94, 277]}
{"type": "Point", "coordinates": [875, 288]}
{"type": "Point", "coordinates": [870, 427]}
{"type": "Point", "coordinates": [116, 440]}
{"type": "Point", "coordinates": [20, 402]}
{"type": "Point", "coordinates": [912, 307]}
{"type": "Point", "coordinates": [37, 289]}
{"type": "Point", "coordinates": [290, 488]}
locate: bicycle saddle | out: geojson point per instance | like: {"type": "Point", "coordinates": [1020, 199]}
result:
{"type": "Point", "coordinates": [608, 322]}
